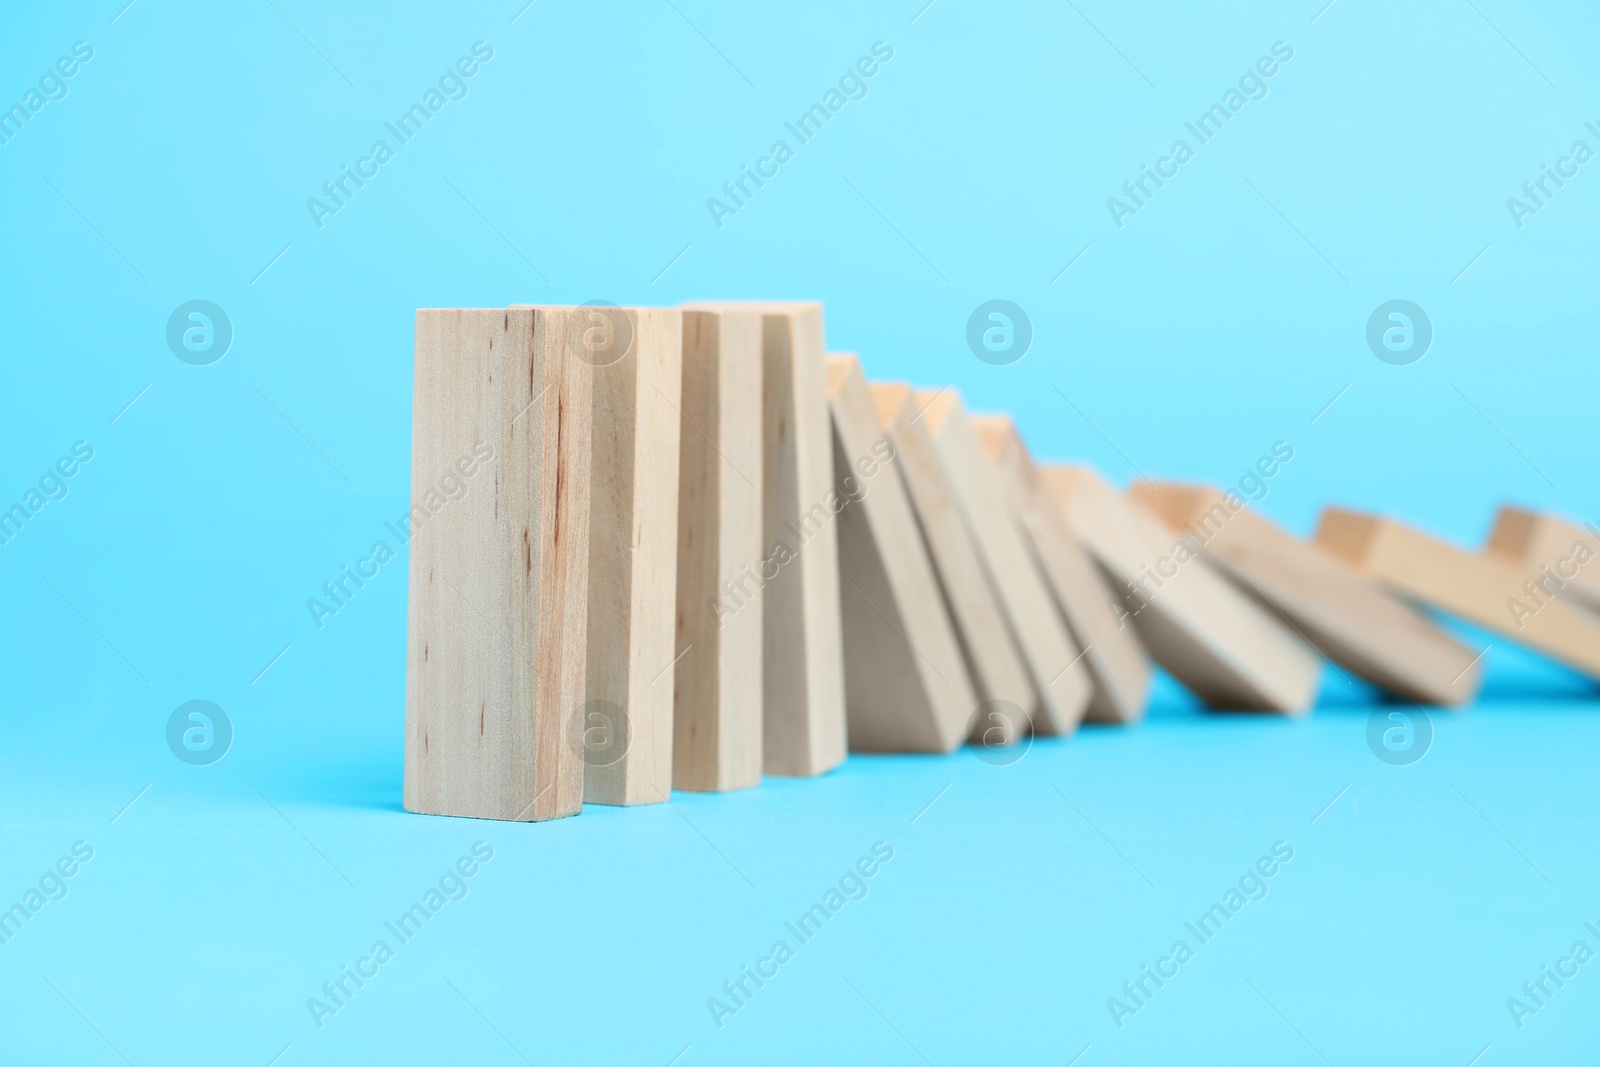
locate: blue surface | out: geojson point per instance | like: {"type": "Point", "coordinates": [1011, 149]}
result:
{"type": "Point", "coordinates": [1229, 313]}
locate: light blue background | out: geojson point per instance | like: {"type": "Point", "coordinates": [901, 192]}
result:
{"type": "Point", "coordinates": [1221, 318]}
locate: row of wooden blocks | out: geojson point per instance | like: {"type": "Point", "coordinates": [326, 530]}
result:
{"type": "Point", "coordinates": [691, 548]}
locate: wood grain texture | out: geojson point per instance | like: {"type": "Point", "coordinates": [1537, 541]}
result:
{"type": "Point", "coordinates": [717, 684]}
{"type": "Point", "coordinates": [1328, 602]}
{"type": "Point", "coordinates": [994, 662]}
{"type": "Point", "coordinates": [1221, 644]}
{"type": "Point", "coordinates": [1118, 666]}
{"type": "Point", "coordinates": [906, 686]}
{"type": "Point", "coordinates": [1479, 588]}
{"type": "Point", "coordinates": [633, 554]}
{"type": "Point", "coordinates": [1048, 649]}
{"type": "Point", "coordinates": [802, 676]}
{"type": "Point", "coordinates": [1561, 557]}
{"type": "Point", "coordinates": [497, 614]}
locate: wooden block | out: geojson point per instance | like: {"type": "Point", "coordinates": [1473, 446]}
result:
{"type": "Point", "coordinates": [1221, 644]}
{"type": "Point", "coordinates": [1481, 589]}
{"type": "Point", "coordinates": [635, 356]}
{"type": "Point", "coordinates": [1563, 559]}
{"type": "Point", "coordinates": [905, 685]}
{"type": "Point", "coordinates": [717, 683]}
{"type": "Point", "coordinates": [994, 662]}
{"type": "Point", "coordinates": [802, 675]}
{"type": "Point", "coordinates": [1117, 664]}
{"type": "Point", "coordinates": [1329, 603]}
{"type": "Point", "coordinates": [497, 613]}
{"type": "Point", "coordinates": [1048, 650]}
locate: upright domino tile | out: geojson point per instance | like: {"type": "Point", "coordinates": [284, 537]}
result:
{"type": "Point", "coordinates": [1117, 663]}
{"type": "Point", "coordinates": [1220, 643]}
{"type": "Point", "coordinates": [635, 357]}
{"type": "Point", "coordinates": [1339, 612]}
{"type": "Point", "coordinates": [802, 674]}
{"type": "Point", "coordinates": [906, 686]}
{"type": "Point", "coordinates": [1048, 649]}
{"type": "Point", "coordinates": [497, 614]}
{"type": "Point", "coordinates": [1481, 589]}
{"type": "Point", "coordinates": [999, 677]}
{"type": "Point", "coordinates": [1562, 558]}
{"type": "Point", "coordinates": [717, 680]}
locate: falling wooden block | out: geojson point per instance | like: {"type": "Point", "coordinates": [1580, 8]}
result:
{"type": "Point", "coordinates": [1048, 650]}
{"type": "Point", "coordinates": [1329, 603]}
{"type": "Point", "coordinates": [1118, 666]}
{"type": "Point", "coordinates": [497, 614]}
{"type": "Point", "coordinates": [1485, 590]}
{"type": "Point", "coordinates": [906, 687]}
{"type": "Point", "coordinates": [994, 662]}
{"type": "Point", "coordinates": [1220, 643]}
{"type": "Point", "coordinates": [802, 674]}
{"type": "Point", "coordinates": [635, 356]}
{"type": "Point", "coordinates": [717, 682]}
{"type": "Point", "coordinates": [1563, 559]}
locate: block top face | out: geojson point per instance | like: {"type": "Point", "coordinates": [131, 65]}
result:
{"type": "Point", "coordinates": [766, 307]}
{"type": "Point", "coordinates": [890, 398]}
{"type": "Point", "coordinates": [842, 366]}
{"type": "Point", "coordinates": [938, 406]}
{"type": "Point", "coordinates": [1179, 504]}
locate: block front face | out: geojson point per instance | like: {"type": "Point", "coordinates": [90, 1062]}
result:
{"type": "Point", "coordinates": [717, 721]}
{"type": "Point", "coordinates": [497, 603]}
{"type": "Point", "coordinates": [633, 559]}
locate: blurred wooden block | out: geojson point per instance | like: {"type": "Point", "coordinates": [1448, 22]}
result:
{"type": "Point", "coordinates": [1118, 666]}
{"type": "Point", "coordinates": [1481, 589]}
{"type": "Point", "coordinates": [905, 685]}
{"type": "Point", "coordinates": [1048, 650]}
{"type": "Point", "coordinates": [717, 682]}
{"type": "Point", "coordinates": [1214, 639]}
{"type": "Point", "coordinates": [636, 359]}
{"type": "Point", "coordinates": [1333, 606]}
{"type": "Point", "coordinates": [993, 659]}
{"type": "Point", "coordinates": [497, 614]}
{"type": "Point", "coordinates": [803, 728]}
{"type": "Point", "coordinates": [1563, 559]}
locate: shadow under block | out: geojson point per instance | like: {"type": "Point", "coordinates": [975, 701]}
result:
{"type": "Point", "coordinates": [1118, 666]}
{"type": "Point", "coordinates": [802, 673]}
{"type": "Point", "coordinates": [626, 722]}
{"type": "Point", "coordinates": [497, 611]}
{"type": "Point", "coordinates": [1481, 589]}
{"type": "Point", "coordinates": [1048, 650]}
{"type": "Point", "coordinates": [993, 660]}
{"type": "Point", "coordinates": [1221, 644]}
{"type": "Point", "coordinates": [1344, 616]}
{"type": "Point", "coordinates": [905, 685]}
{"type": "Point", "coordinates": [1561, 557]}
{"type": "Point", "coordinates": [716, 740]}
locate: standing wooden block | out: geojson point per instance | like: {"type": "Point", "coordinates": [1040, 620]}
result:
{"type": "Point", "coordinates": [717, 683]}
{"type": "Point", "coordinates": [1218, 642]}
{"type": "Point", "coordinates": [802, 676]}
{"type": "Point", "coordinates": [1480, 589]}
{"type": "Point", "coordinates": [906, 687]}
{"type": "Point", "coordinates": [636, 359]}
{"type": "Point", "coordinates": [1343, 615]}
{"type": "Point", "coordinates": [1048, 650]}
{"type": "Point", "coordinates": [1562, 559]}
{"type": "Point", "coordinates": [1118, 666]}
{"type": "Point", "coordinates": [990, 652]}
{"type": "Point", "coordinates": [497, 614]}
